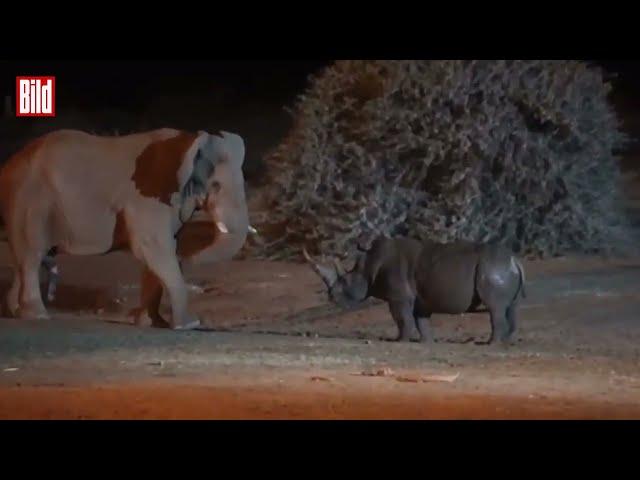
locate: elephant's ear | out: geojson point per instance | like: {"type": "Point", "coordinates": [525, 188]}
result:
{"type": "Point", "coordinates": [201, 159]}
{"type": "Point", "coordinates": [198, 164]}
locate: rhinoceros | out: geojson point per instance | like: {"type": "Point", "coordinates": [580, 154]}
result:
{"type": "Point", "coordinates": [420, 278]}
{"type": "Point", "coordinates": [83, 194]}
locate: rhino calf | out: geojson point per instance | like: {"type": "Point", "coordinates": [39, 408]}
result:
{"type": "Point", "coordinates": [418, 279]}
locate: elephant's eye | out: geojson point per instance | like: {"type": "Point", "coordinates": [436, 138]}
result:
{"type": "Point", "coordinates": [215, 187]}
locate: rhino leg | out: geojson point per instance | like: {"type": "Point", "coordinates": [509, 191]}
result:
{"type": "Point", "coordinates": [499, 325]}
{"type": "Point", "coordinates": [402, 313]}
{"type": "Point", "coordinates": [511, 320]}
{"type": "Point", "coordinates": [497, 296]}
{"type": "Point", "coordinates": [423, 323]}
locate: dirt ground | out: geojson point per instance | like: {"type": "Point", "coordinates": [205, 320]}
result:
{"type": "Point", "coordinates": [275, 349]}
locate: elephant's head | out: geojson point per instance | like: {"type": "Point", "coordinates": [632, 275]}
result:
{"type": "Point", "coordinates": [345, 288]}
{"type": "Point", "coordinates": [214, 182]}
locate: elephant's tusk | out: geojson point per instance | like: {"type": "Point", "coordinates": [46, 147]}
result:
{"type": "Point", "coordinates": [253, 230]}
{"type": "Point", "coordinates": [222, 227]}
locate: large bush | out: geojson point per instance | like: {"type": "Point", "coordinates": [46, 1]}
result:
{"type": "Point", "coordinates": [516, 151]}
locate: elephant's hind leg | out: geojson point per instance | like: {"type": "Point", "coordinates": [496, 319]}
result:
{"type": "Point", "coordinates": [13, 295]}
{"type": "Point", "coordinates": [30, 241]}
{"type": "Point", "coordinates": [30, 297]}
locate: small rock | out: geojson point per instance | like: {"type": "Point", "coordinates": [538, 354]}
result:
{"type": "Point", "coordinates": [11, 369]}
{"type": "Point", "coordinates": [380, 372]}
{"type": "Point", "coordinates": [440, 378]}
{"type": "Point", "coordinates": [158, 363]}
{"type": "Point", "coordinates": [320, 379]}
{"type": "Point", "coordinates": [367, 342]}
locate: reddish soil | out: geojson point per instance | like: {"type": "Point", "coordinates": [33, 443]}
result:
{"type": "Point", "coordinates": [276, 349]}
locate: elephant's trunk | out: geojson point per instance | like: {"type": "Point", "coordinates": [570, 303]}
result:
{"type": "Point", "coordinates": [204, 242]}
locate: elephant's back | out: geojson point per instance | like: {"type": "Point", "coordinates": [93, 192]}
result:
{"type": "Point", "coordinates": [76, 164]}
{"type": "Point", "coordinates": [15, 169]}
{"type": "Point", "coordinates": [71, 159]}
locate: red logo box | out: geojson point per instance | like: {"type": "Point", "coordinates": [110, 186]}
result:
{"type": "Point", "coordinates": [35, 96]}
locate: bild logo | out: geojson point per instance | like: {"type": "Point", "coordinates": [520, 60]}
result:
{"type": "Point", "coordinates": [35, 96]}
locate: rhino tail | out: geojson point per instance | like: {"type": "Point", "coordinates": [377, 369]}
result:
{"type": "Point", "coordinates": [522, 278]}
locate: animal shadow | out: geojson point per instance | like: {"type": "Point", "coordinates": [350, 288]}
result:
{"type": "Point", "coordinates": [67, 298]}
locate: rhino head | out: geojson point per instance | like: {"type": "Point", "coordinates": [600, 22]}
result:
{"type": "Point", "coordinates": [345, 288]}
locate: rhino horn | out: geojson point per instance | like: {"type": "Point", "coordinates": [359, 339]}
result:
{"type": "Point", "coordinates": [338, 267]}
{"type": "Point", "coordinates": [327, 274]}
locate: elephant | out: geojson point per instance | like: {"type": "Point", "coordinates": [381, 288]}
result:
{"type": "Point", "coordinates": [77, 193]}
{"type": "Point", "coordinates": [419, 278]}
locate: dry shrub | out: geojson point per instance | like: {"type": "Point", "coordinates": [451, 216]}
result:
{"type": "Point", "coordinates": [516, 151]}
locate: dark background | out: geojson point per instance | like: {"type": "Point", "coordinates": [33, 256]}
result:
{"type": "Point", "coordinates": [245, 96]}
{"type": "Point", "coordinates": [131, 84]}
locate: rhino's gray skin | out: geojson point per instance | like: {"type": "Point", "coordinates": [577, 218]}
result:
{"type": "Point", "coordinates": [418, 279]}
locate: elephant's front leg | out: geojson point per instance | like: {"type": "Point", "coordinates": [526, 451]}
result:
{"type": "Point", "coordinates": [160, 258]}
{"type": "Point", "coordinates": [167, 268]}
{"type": "Point", "coordinates": [148, 312]}
{"type": "Point", "coordinates": [152, 240]}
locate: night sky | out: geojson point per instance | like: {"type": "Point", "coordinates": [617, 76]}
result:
{"type": "Point", "coordinates": [129, 84]}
